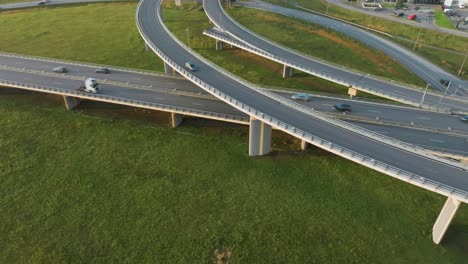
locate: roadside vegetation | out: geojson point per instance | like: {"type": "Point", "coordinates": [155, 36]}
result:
{"type": "Point", "coordinates": [442, 20]}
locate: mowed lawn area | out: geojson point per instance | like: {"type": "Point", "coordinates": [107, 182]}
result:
{"type": "Point", "coordinates": [98, 33]}
{"type": "Point", "coordinates": [109, 184]}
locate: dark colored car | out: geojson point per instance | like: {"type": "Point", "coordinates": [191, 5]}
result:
{"type": "Point", "coordinates": [191, 66]}
{"type": "Point", "coordinates": [60, 69]}
{"type": "Point", "coordinates": [399, 14]}
{"type": "Point", "coordinates": [444, 82]}
{"type": "Point", "coordinates": [102, 70]}
{"type": "Point", "coordinates": [343, 107]}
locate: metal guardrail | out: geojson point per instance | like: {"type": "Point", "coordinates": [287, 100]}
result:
{"type": "Point", "coordinates": [124, 101]}
{"type": "Point", "coordinates": [324, 144]}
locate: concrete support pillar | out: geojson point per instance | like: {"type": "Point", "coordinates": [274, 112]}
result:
{"type": "Point", "coordinates": [259, 138]}
{"type": "Point", "coordinates": [219, 45]}
{"type": "Point", "coordinates": [168, 69]}
{"type": "Point", "coordinates": [71, 102]}
{"type": "Point", "coordinates": [304, 145]}
{"type": "Point", "coordinates": [229, 3]}
{"type": "Point", "coordinates": [444, 219]}
{"type": "Point", "coordinates": [179, 2]}
{"type": "Point", "coordinates": [352, 92]}
{"type": "Point", "coordinates": [176, 119]}
{"type": "Point", "coordinates": [287, 71]}
{"type": "Point", "coordinates": [147, 48]}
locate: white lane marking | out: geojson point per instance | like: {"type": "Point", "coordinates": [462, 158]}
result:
{"type": "Point", "coordinates": [435, 140]}
{"type": "Point", "coordinates": [380, 132]}
{"type": "Point", "coordinates": [425, 118]}
{"type": "Point", "coordinates": [374, 111]}
{"type": "Point", "coordinates": [198, 104]}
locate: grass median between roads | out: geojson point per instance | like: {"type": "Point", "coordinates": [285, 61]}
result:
{"type": "Point", "coordinates": [98, 33]}
{"type": "Point", "coordinates": [108, 184]}
{"type": "Point", "coordinates": [442, 20]}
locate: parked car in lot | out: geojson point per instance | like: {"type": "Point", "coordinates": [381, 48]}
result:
{"type": "Point", "coordinates": [301, 97]}
{"type": "Point", "coordinates": [102, 70]}
{"type": "Point", "coordinates": [343, 107]}
{"type": "Point", "coordinates": [191, 66]}
{"type": "Point", "coordinates": [412, 17]}
{"type": "Point", "coordinates": [398, 14]}
{"type": "Point", "coordinates": [464, 118]}
{"type": "Point", "coordinates": [60, 69]}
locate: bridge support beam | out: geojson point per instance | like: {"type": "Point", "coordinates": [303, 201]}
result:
{"type": "Point", "coordinates": [147, 48]}
{"type": "Point", "coordinates": [179, 2]}
{"type": "Point", "coordinates": [444, 219]}
{"type": "Point", "coordinates": [176, 119]}
{"type": "Point", "coordinates": [304, 145]}
{"type": "Point", "coordinates": [287, 71]}
{"type": "Point", "coordinates": [219, 45]}
{"type": "Point", "coordinates": [352, 92]}
{"type": "Point", "coordinates": [71, 102]}
{"type": "Point", "coordinates": [259, 138]}
{"type": "Point", "coordinates": [168, 69]}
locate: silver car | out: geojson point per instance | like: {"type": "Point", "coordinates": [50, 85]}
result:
{"type": "Point", "coordinates": [301, 97]}
{"type": "Point", "coordinates": [60, 69]}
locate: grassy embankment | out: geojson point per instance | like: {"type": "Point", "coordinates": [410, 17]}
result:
{"type": "Point", "coordinates": [427, 37]}
{"type": "Point", "coordinates": [442, 20]}
{"type": "Point", "coordinates": [110, 184]}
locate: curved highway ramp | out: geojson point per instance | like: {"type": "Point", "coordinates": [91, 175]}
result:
{"type": "Point", "coordinates": [267, 110]}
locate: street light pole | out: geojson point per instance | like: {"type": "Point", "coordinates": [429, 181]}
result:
{"type": "Point", "coordinates": [463, 64]}
{"type": "Point", "coordinates": [424, 95]}
{"type": "Point", "coordinates": [326, 12]}
{"type": "Point", "coordinates": [416, 42]}
{"type": "Point", "coordinates": [446, 90]}
{"type": "Point", "coordinates": [188, 37]}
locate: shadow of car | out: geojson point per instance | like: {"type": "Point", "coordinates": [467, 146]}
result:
{"type": "Point", "coordinates": [60, 69]}
{"type": "Point", "coordinates": [343, 107]}
{"type": "Point", "coordinates": [102, 70]}
{"type": "Point", "coordinates": [301, 97]}
{"type": "Point", "coordinates": [191, 66]}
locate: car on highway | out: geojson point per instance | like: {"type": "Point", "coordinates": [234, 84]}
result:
{"type": "Point", "coordinates": [444, 82]}
{"type": "Point", "coordinates": [60, 69]}
{"type": "Point", "coordinates": [102, 70]}
{"type": "Point", "coordinates": [464, 118]}
{"type": "Point", "coordinates": [43, 2]}
{"type": "Point", "coordinates": [191, 66]}
{"type": "Point", "coordinates": [343, 107]}
{"type": "Point", "coordinates": [301, 97]}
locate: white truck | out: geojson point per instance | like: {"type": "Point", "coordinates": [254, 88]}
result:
{"type": "Point", "coordinates": [90, 86]}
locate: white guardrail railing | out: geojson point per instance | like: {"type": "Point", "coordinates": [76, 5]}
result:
{"type": "Point", "coordinates": [355, 84]}
{"type": "Point", "coordinates": [329, 77]}
{"type": "Point", "coordinates": [125, 101]}
{"type": "Point", "coordinates": [324, 144]}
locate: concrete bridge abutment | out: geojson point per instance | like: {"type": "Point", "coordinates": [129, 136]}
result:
{"type": "Point", "coordinates": [176, 119]}
{"type": "Point", "coordinates": [287, 71]}
{"type": "Point", "coordinates": [259, 137]}
{"type": "Point", "coordinates": [219, 45]}
{"type": "Point", "coordinates": [445, 217]}
{"type": "Point", "coordinates": [71, 102]}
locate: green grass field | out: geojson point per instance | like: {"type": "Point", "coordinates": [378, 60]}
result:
{"type": "Point", "coordinates": [442, 20]}
{"type": "Point", "coordinates": [109, 184]}
{"type": "Point", "coordinates": [90, 33]}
